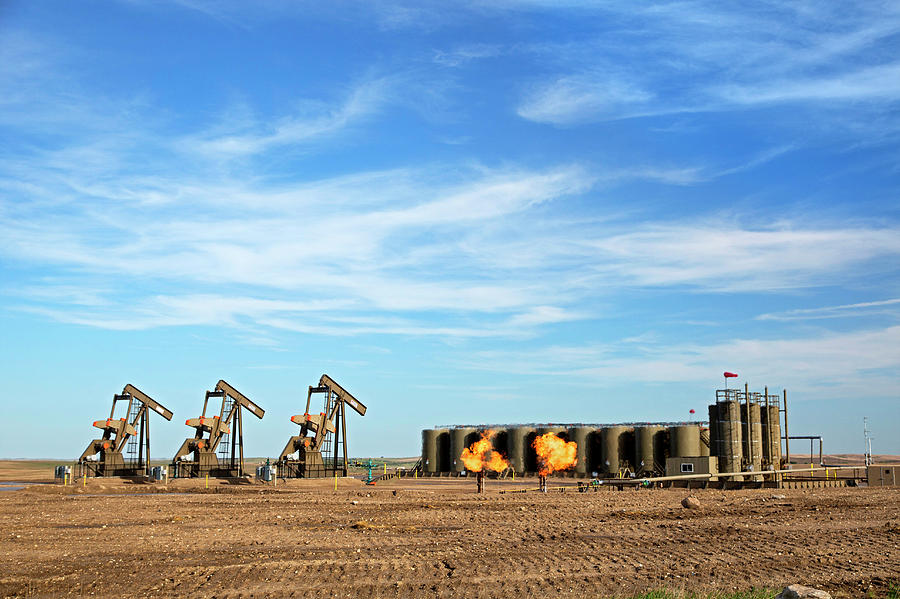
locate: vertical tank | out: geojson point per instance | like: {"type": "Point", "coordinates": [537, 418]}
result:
{"type": "Point", "coordinates": [684, 441]}
{"type": "Point", "coordinates": [774, 420]}
{"type": "Point", "coordinates": [611, 438]}
{"type": "Point", "coordinates": [730, 437]}
{"type": "Point", "coordinates": [650, 450]}
{"type": "Point", "coordinates": [459, 440]}
{"type": "Point", "coordinates": [771, 435]}
{"type": "Point", "coordinates": [753, 442]}
{"type": "Point", "coordinates": [714, 430]}
{"type": "Point", "coordinates": [430, 462]}
{"type": "Point", "coordinates": [518, 447]}
{"type": "Point", "coordinates": [580, 435]}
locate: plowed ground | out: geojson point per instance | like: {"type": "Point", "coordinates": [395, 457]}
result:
{"type": "Point", "coordinates": [432, 538]}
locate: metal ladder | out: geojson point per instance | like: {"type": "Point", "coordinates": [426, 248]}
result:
{"type": "Point", "coordinates": [227, 406]}
{"type": "Point", "coordinates": [328, 447]}
{"type": "Point", "coordinates": [131, 448]}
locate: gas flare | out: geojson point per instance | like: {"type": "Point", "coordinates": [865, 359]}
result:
{"type": "Point", "coordinates": [481, 455]}
{"type": "Point", "coordinates": [554, 453]}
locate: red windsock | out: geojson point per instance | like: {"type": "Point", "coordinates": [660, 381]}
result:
{"type": "Point", "coordinates": [730, 375]}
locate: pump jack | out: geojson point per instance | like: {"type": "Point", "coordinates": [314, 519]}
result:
{"type": "Point", "coordinates": [119, 435]}
{"type": "Point", "coordinates": [318, 453]}
{"type": "Point", "coordinates": [197, 456]}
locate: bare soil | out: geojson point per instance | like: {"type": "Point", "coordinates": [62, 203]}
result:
{"type": "Point", "coordinates": [438, 538]}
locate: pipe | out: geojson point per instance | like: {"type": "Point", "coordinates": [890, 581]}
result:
{"type": "Point", "coordinates": [636, 481]}
{"type": "Point", "coordinates": [749, 425]}
{"type": "Point", "coordinates": [767, 442]}
{"type": "Point", "coordinates": [730, 474]}
{"type": "Point", "coordinates": [782, 471]}
{"type": "Point", "coordinates": [678, 477]}
{"type": "Point", "coordinates": [787, 437]}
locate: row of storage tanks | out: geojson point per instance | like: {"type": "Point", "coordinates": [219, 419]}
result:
{"type": "Point", "coordinates": [745, 436]}
{"type": "Point", "coordinates": [742, 436]}
{"type": "Point", "coordinates": [602, 450]}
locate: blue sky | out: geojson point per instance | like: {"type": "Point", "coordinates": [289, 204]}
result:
{"type": "Point", "coordinates": [513, 211]}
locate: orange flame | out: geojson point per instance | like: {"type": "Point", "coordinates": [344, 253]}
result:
{"type": "Point", "coordinates": [481, 455]}
{"type": "Point", "coordinates": [554, 453]}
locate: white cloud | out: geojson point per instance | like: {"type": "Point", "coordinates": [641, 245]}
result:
{"type": "Point", "coordinates": [873, 83]}
{"type": "Point", "coordinates": [700, 57]}
{"type": "Point", "coordinates": [881, 307]}
{"type": "Point", "coordinates": [823, 366]}
{"type": "Point", "coordinates": [543, 315]}
{"type": "Point", "coordinates": [441, 248]}
{"type": "Point", "coordinates": [726, 257]}
{"type": "Point", "coordinates": [301, 238]}
{"type": "Point", "coordinates": [466, 53]}
{"type": "Point", "coordinates": [450, 244]}
{"type": "Point", "coordinates": [315, 121]}
{"type": "Point", "coordinates": [576, 99]}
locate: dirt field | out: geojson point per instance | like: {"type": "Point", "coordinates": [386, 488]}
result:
{"type": "Point", "coordinates": [431, 538]}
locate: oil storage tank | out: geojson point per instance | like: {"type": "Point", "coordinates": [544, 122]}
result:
{"type": "Point", "coordinates": [580, 435]}
{"type": "Point", "coordinates": [517, 441]}
{"type": "Point", "coordinates": [751, 418]}
{"type": "Point", "coordinates": [684, 441]}
{"type": "Point", "coordinates": [459, 440]}
{"type": "Point", "coordinates": [431, 463]}
{"type": "Point", "coordinates": [614, 453]}
{"type": "Point", "coordinates": [771, 432]}
{"type": "Point", "coordinates": [650, 450]}
{"type": "Point", "coordinates": [730, 437]}
{"type": "Point", "coordinates": [714, 430]}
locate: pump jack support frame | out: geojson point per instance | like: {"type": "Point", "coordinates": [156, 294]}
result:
{"type": "Point", "coordinates": [117, 437]}
{"type": "Point", "coordinates": [322, 436]}
{"type": "Point", "coordinates": [197, 456]}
